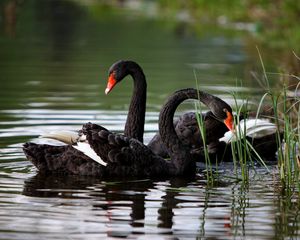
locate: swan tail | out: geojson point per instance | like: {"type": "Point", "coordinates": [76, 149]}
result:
{"type": "Point", "coordinates": [42, 155]}
{"type": "Point", "coordinates": [62, 160]}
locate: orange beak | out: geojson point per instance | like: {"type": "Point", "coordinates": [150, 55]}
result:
{"type": "Point", "coordinates": [229, 121]}
{"type": "Point", "coordinates": [110, 83]}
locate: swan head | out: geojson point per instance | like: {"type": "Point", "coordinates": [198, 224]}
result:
{"type": "Point", "coordinates": [222, 111]}
{"type": "Point", "coordinates": [118, 71]}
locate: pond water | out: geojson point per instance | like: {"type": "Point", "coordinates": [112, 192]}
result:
{"type": "Point", "coordinates": [54, 58]}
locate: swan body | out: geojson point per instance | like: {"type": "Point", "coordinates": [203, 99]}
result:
{"type": "Point", "coordinates": [188, 131]}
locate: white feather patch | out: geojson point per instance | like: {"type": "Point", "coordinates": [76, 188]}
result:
{"type": "Point", "coordinates": [255, 128]}
{"type": "Point", "coordinates": [86, 149]}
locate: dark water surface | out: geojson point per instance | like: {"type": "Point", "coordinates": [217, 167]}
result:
{"type": "Point", "coordinates": [54, 57]}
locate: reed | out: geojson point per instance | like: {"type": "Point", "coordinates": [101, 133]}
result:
{"type": "Point", "coordinates": [287, 120]}
{"type": "Point", "coordinates": [200, 121]}
{"type": "Point", "coordinates": [239, 156]}
{"type": "Point", "coordinates": [288, 164]}
{"type": "Point", "coordinates": [243, 153]}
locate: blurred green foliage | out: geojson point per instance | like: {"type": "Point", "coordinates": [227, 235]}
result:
{"type": "Point", "coordinates": [276, 19]}
{"type": "Point", "coordinates": [275, 23]}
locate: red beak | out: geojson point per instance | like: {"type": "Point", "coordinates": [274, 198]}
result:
{"type": "Point", "coordinates": [110, 83]}
{"type": "Point", "coordinates": [229, 121]}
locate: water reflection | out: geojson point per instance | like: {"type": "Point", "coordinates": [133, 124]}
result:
{"type": "Point", "coordinates": [176, 207]}
{"type": "Point", "coordinates": [60, 19]}
{"type": "Point", "coordinates": [128, 208]}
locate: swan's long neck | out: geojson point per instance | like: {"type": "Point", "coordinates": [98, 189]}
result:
{"type": "Point", "coordinates": [166, 126]}
{"type": "Point", "coordinates": [134, 126]}
{"type": "Point", "coordinates": [178, 152]}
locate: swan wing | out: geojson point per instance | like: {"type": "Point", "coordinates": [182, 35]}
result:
{"type": "Point", "coordinates": [255, 128]}
{"type": "Point", "coordinates": [228, 137]}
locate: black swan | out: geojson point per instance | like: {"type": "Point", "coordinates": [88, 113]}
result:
{"type": "Point", "coordinates": [186, 126]}
{"type": "Point", "coordinates": [126, 156]}
{"type": "Point", "coordinates": [134, 126]}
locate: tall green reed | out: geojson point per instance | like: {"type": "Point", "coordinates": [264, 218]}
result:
{"type": "Point", "coordinates": [243, 152]}
{"type": "Point", "coordinates": [288, 129]}
{"type": "Point", "coordinates": [200, 121]}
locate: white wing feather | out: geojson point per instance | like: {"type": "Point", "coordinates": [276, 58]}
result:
{"type": "Point", "coordinates": [255, 128]}
{"type": "Point", "coordinates": [67, 137]}
{"type": "Point", "coordinates": [86, 149]}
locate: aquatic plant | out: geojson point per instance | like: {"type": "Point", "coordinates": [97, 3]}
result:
{"type": "Point", "coordinates": [288, 125]}
{"type": "Point", "coordinates": [286, 109]}
{"type": "Point", "coordinates": [210, 177]}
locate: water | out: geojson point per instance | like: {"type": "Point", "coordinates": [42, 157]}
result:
{"type": "Point", "coordinates": [54, 59]}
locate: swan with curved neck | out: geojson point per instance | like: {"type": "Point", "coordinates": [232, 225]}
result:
{"type": "Point", "coordinates": [127, 156]}
{"type": "Point", "coordinates": [134, 126]}
{"type": "Point", "coordinates": [177, 151]}
{"type": "Point", "coordinates": [186, 127]}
